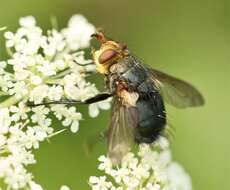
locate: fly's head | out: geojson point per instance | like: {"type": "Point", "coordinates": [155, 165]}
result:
{"type": "Point", "coordinates": [108, 53]}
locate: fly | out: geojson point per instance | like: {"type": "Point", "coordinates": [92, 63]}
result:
{"type": "Point", "coordinates": [138, 111]}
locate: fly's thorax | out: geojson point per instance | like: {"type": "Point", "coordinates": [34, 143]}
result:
{"type": "Point", "coordinates": [129, 70]}
{"type": "Point", "coordinates": [119, 68]}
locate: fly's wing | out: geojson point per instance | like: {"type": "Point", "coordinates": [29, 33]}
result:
{"type": "Point", "coordinates": [121, 131]}
{"type": "Point", "coordinates": [175, 91]}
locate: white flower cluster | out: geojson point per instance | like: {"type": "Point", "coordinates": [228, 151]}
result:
{"type": "Point", "coordinates": [41, 68]}
{"type": "Point", "coordinates": [151, 169]}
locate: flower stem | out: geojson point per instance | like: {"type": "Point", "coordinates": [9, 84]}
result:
{"type": "Point", "coordinates": [3, 93]}
{"type": "Point", "coordinates": [56, 133]}
{"type": "Point", "coordinates": [63, 73]}
{"type": "Point", "coordinates": [3, 28]}
{"type": "Point", "coordinates": [9, 101]}
{"type": "Point", "coordinates": [9, 51]}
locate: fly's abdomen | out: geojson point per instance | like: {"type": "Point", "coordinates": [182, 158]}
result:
{"type": "Point", "coordinates": [151, 117]}
{"type": "Point", "coordinates": [150, 107]}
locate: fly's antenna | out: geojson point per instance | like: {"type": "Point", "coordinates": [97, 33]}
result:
{"type": "Point", "coordinates": [99, 36]}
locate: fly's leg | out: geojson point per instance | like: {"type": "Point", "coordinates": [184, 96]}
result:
{"type": "Point", "coordinates": [85, 65]}
{"type": "Point", "coordinates": [97, 98]}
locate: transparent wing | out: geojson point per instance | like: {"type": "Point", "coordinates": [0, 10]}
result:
{"type": "Point", "coordinates": [175, 91]}
{"type": "Point", "coordinates": [121, 131]}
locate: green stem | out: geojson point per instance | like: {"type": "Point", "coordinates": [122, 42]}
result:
{"type": "Point", "coordinates": [3, 28]}
{"type": "Point", "coordinates": [151, 178]}
{"type": "Point", "coordinates": [52, 81]}
{"type": "Point", "coordinates": [3, 93]}
{"type": "Point", "coordinates": [3, 151]}
{"type": "Point", "coordinates": [56, 133]}
{"type": "Point", "coordinates": [9, 51]}
{"type": "Point", "coordinates": [63, 73]}
{"type": "Point", "coordinates": [56, 79]}
{"type": "Point", "coordinates": [9, 102]}
{"type": "Point", "coordinates": [54, 22]}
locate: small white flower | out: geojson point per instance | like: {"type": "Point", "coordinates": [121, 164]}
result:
{"type": "Point", "coordinates": [120, 174]}
{"type": "Point", "coordinates": [55, 93]}
{"type": "Point", "coordinates": [38, 94]}
{"type": "Point", "coordinates": [141, 171]}
{"type": "Point", "coordinates": [5, 120]}
{"type": "Point", "coordinates": [163, 143]}
{"type": "Point", "coordinates": [94, 108]}
{"type": "Point", "coordinates": [19, 112]}
{"type": "Point", "coordinates": [78, 32]}
{"type": "Point", "coordinates": [34, 135]}
{"type": "Point", "coordinates": [151, 186]}
{"type": "Point", "coordinates": [10, 39]}
{"type": "Point", "coordinates": [58, 110]}
{"type": "Point", "coordinates": [71, 116]}
{"type": "Point", "coordinates": [60, 64]}
{"type": "Point", "coordinates": [105, 164]}
{"type": "Point", "coordinates": [40, 116]}
{"type": "Point", "coordinates": [5, 83]}
{"type": "Point", "coordinates": [53, 43]}
{"type": "Point", "coordinates": [35, 186]}
{"type": "Point", "coordinates": [132, 182]}
{"type": "Point", "coordinates": [27, 22]}
{"type": "Point", "coordinates": [21, 74]}
{"type": "Point", "coordinates": [17, 177]}
{"type": "Point", "coordinates": [72, 79]}
{"type": "Point", "coordinates": [19, 90]}
{"type": "Point", "coordinates": [36, 80]}
{"type": "Point", "coordinates": [15, 133]}
{"type": "Point", "coordinates": [3, 64]}
{"type": "Point", "coordinates": [47, 69]}
{"type": "Point", "coordinates": [74, 126]}
{"type": "Point", "coordinates": [20, 155]}
{"type": "Point", "coordinates": [177, 177]}
{"type": "Point", "coordinates": [99, 183]}
{"type": "Point", "coordinates": [64, 187]}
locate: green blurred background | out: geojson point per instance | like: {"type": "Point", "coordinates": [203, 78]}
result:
{"type": "Point", "coordinates": [188, 39]}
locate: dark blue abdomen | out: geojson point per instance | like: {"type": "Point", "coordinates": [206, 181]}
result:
{"type": "Point", "coordinates": [150, 106]}
{"type": "Point", "coordinates": [151, 118]}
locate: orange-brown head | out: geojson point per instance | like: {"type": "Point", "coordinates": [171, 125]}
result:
{"type": "Point", "coordinates": [109, 53]}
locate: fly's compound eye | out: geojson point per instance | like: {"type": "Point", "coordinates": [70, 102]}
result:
{"type": "Point", "coordinates": [107, 55]}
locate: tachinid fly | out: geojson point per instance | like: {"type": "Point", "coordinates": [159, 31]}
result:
{"type": "Point", "coordinates": [138, 112]}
